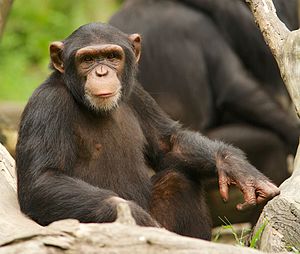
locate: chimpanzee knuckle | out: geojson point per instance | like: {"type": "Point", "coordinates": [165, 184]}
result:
{"type": "Point", "coordinates": [269, 188]}
{"type": "Point", "coordinates": [274, 193]}
{"type": "Point", "coordinates": [274, 188]}
{"type": "Point", "coordinates": [250, 182]}
{"type": "Point", "coordinates": [251, 201]}
{"type": "Point", "coordinates": [223, 181]}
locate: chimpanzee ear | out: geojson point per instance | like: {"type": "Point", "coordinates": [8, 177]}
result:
{"type": "Point", "coordinates": [136, 43]}
{"type": "Point", "coordinates": [56, 49]}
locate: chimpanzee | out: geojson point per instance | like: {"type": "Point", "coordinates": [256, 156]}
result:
{"type": "Point", "coordinates": [206, 64]}
{"type": "Point", "coordinates": [236, 23]}
{"type": "Point", "coordinates": [90, 134]}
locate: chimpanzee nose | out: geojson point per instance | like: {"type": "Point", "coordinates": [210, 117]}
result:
{"type": "Point", "coordinates": [101, 71]}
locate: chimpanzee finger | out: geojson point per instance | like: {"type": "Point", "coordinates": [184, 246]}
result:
{"type": "Point", "coordinates": [223, 185]}
{"type": "Point", "coordinates": [249, 197]}
{"type": "Point", "coordinates": [267, 191]}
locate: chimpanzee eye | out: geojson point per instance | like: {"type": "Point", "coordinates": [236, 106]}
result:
{"type": "Point", "coordinates": [87, 59]}
{"type": "Point", "coordinates": [111, 55]}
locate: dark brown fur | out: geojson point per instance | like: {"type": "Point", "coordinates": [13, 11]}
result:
{"type": "Point", "coordinates": [206, 64]}
{"type": "Point", "coordinates": [75, 162]}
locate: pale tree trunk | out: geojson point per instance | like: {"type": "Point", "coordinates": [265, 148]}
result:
{"type": "Point", "coordinates": [4, 10]}
{"type": "Point", "coordinates": [282, 214]}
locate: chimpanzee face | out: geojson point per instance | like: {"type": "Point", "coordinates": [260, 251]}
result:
{"type": "Point", "coordinates": [100, 65]}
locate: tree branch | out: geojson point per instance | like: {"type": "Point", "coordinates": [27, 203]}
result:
{"type": "Point", "coordinates": [282, 214]}
{"type": "Point", "coordinates": [285, 45]}
{"type": "Point", "coordinates": [4, 10]}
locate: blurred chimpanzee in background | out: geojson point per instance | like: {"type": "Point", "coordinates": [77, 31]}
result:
{"type": "Point", "coordinates": [205, 62]}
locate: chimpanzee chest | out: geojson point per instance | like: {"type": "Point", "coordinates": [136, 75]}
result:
{"type": "Point", "coordinates": [110, 154]}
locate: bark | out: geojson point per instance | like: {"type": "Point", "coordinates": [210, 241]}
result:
{"type": "Point", "coordinates": [19, 234]}
{"type": "Point", "coordinates": [283, 43]}
{"type": "Point", "coordinates": [4, 10]}
{"type": "Point", "coordinates": [282, 214]}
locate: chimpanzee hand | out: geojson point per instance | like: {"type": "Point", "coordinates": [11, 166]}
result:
{"type": "Point", "coordinates": [235, 169]}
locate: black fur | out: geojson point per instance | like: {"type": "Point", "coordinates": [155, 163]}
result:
{"type": "Point", "coordinates": [206, 64]}
{"type": "Point", "coordinates": [73, 163]}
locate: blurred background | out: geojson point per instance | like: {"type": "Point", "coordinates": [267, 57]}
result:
{"type": "Point", "coordinates": [30, 27]}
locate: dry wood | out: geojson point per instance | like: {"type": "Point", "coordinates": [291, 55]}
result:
{"type": "Point", "coordinates": [284, 44]}
{"type": "Point", "coordinates": [282, 214]}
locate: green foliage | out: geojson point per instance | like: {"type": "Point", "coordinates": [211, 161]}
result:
{"type": "Point", "coordinates": [256, 237]}
{"type": "Point", "coordinates": [31, 26]}
{"type": "Point", "coordinates": [293, 249]}
{"type": "Point", "coordinates": [240, 238]}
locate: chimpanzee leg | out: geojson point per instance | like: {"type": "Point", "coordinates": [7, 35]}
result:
{"type": "Point", "coordinates": [178, 204]}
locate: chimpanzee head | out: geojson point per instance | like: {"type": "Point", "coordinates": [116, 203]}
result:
{"type": "Point", "coordinates": [98, 64]}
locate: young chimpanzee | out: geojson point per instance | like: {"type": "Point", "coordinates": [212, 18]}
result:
{"type": "Point", "coordinates": [90, 134]}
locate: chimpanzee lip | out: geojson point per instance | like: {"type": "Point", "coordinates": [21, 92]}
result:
{"type": "Point", "coordinates": [108, 95]}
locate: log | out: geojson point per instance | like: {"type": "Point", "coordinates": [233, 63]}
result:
{"type": "Point", "coordinates": [19, 234]}
{"type": "Point", "coordinates": [281, 216]}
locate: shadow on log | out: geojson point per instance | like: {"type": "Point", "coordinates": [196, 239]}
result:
{"type": "Point", "coordinates": [19, 234]}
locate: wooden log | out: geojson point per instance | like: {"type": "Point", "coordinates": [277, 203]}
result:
{"type": "Point", "coordinates": [282, 216]}
{"type": "Point", "coordinates": [13, 224]}
{"type": "Point", "coordinates": [19, 234]}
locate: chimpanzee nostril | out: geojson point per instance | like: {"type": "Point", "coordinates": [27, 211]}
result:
{"type": "Point", "coordinates": [101, 71]}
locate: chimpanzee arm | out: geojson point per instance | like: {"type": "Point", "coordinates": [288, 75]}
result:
{"type": "Point", "coordinates": [54, 196]}
{"type": "Point", "coordinates": [45, 156]}
{"type": "Point", "coordinates": [172, 147]}
{"type": "Point", "coordinates": [192, 152]}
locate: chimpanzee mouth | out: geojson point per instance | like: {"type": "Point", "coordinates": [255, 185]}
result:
{"type": "Point", "coordinates": [108, 95]}
{"type": "Point", "coordinates": [107, 102]}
